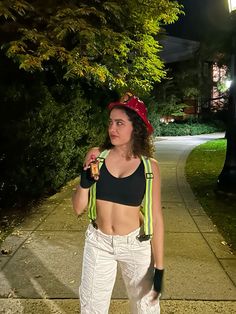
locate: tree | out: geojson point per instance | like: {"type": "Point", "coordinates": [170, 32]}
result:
{"type": "Point", "coordinates": [108, 43]}
{"type": "Point", "coordinates": [56, 62]}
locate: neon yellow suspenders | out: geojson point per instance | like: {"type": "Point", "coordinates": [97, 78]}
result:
{"type": "Point", "coordinates": [92, 192]}
{"type": "Point", "coordinates": [147, 200]}
{"type": "Point", "coordinates": [146, 208]}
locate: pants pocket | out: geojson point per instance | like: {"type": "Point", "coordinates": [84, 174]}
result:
{"type": "Point", "coordinates": [90, 233]}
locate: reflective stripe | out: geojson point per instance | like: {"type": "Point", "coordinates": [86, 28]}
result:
{"type": "Point", "coordinates": [147, 202]}
{"type": "Point", "coordinates": [92, 202]}
{"type": "Point", "coordinates": [92, 192]}
{"type": "Point", "coordinates": [146, 207]}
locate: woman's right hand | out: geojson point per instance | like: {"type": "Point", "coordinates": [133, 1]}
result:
{"type": "Point", "coordinates": [91, 155]}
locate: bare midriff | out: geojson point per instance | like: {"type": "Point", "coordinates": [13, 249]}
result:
{"type": "Point", "coordinates": [117, 219]}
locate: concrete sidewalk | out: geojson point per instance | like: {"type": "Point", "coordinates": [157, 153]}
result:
{"type": "Point", "coordinates": [41, 260]}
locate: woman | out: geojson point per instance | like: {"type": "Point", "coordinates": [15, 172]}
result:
{"type": "Point", "coordinates": [120, 231]}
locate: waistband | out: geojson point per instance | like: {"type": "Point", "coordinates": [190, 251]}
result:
{"type": "Point", "coordinates": [128, 238]}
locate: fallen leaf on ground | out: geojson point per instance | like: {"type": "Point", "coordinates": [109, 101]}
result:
{"type": "Point", "coordinates": [223, 242]}
{"type": "Point", "coordinates": [6, 251]}
{"type": "Point", "coordinates": [12, 293]}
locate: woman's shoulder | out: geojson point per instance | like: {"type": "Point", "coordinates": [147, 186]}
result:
{"type": "Point", "coordinates": [155, 165]}
{"type": "Point", "coordinates": [152, 160]}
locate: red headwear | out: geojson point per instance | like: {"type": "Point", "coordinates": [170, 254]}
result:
{"type": "Point", "coordinates": [134, 103]}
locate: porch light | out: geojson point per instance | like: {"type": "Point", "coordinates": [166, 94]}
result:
{"type": "Point", "coordinates": [232, 5]}
{"type": "Point", "coordinates": [228, 83]}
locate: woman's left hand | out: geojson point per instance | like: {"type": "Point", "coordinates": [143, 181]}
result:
{"type": "Point", "coordinates": [157, 281]}
{"type": "Point", "coordinates": [92, 154]}
{"type": "Point", "coordinates": [154, 297]}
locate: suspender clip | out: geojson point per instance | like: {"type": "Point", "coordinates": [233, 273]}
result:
{"type": "Point", "coordinates": [94, 224]}
{"type": "Point", "coordinates": [143, 237]}
{"type": "Point", "coordinates": [149, 175]}
{"type": "Point", "coordinates": [101, 159]}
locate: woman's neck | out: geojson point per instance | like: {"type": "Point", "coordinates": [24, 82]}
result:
{"type": "Point", "coordinates": [123, 152]}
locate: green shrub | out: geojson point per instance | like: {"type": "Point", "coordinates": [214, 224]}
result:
{"type": "Point", "coordinates": [153, 114]}
{"type": "Point", "coordinates": [178, 129]}
{"type": "Point", "coordinates": [46, 146]}
{"type": "Point", "coordinates": [57, 138]}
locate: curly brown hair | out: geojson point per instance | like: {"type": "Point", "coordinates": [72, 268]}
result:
{"type": "Point", "coordinates": [141, 141]}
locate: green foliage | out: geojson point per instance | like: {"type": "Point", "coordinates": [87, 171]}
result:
{"type": "Point", "coordinates": [172, 106]}
{"type": "Point", "coordinates": [45, 146]}
{"type": "Point", "coordinates": [222, 86]}
{"type": "Point", "coordinates": [153, 113]}
{"type": "Point", "coordinates": [108, 43]}
{"type": "Point", "coordinates": [10, 10]}
{"type": "Point", "coordinates": [55, 132]}
{"type": "Point", "coordinates": [59, 64]}
{"type": "Point", "coordinates": [178, 129]}
{"type": "Point", "coordinates": [191, 92]}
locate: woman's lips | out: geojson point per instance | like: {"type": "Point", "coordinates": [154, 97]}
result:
{"type": "Point", "coordinates": [113, 137]}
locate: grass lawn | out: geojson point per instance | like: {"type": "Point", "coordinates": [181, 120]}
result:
{"type": "Point", "coordinates": [203, 167]}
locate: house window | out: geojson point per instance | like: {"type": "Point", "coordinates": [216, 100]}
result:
{"type": "Point", "coordinates": [219, 89]}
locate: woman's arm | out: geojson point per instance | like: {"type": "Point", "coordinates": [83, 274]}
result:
{"type": "Point", "coordinates": [80, 200]}
{"type": "Point", "coordinates": [81, 195]}
{"type": "Point", "coordinates": [158, 225]}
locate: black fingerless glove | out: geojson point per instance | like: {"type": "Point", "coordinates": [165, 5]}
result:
{"type": "Point", "coordinates": [157, 280]}
{"type": "Point", "coordinates": [86, 181]}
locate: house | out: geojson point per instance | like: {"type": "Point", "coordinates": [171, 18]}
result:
{"type": "Point", "coordinates": [204, 82]}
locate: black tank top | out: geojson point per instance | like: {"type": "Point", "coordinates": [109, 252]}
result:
{"type": "Point", "coordinates": [127, 191]}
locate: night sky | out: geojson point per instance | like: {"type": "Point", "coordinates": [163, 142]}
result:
{"type": "Point", "coordinates": [201, 17]}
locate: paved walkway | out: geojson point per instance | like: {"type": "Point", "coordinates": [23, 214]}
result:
{"type": "Point", "coordinates": [41, 260]}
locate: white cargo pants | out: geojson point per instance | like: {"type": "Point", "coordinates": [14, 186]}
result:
{"type": "Point", "coordinates": [101, 254]}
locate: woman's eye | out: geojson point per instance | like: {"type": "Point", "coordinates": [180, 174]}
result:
{"type": "Point", "coordinates": [117, 123]}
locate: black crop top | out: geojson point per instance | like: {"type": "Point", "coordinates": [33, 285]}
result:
{"type": "Point", "coordinates": [127, 191]}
